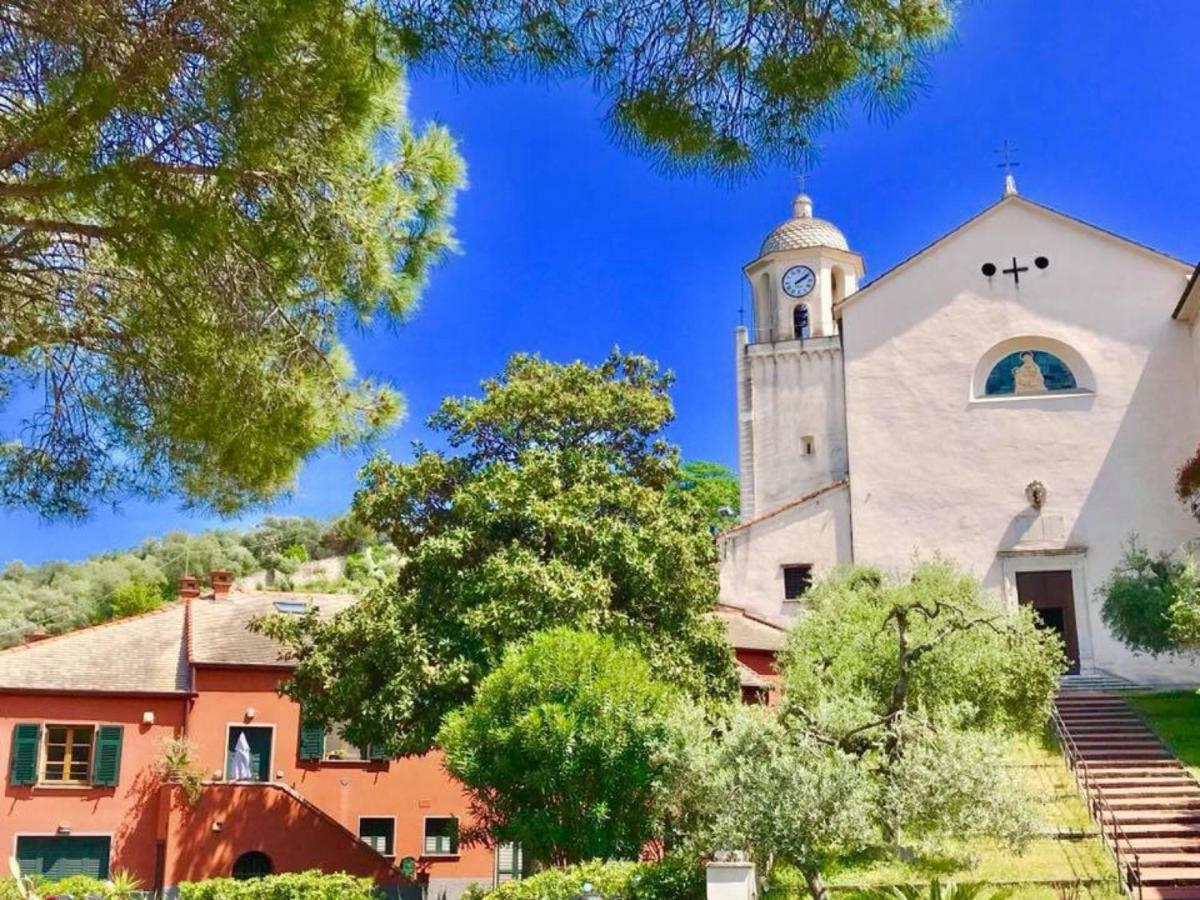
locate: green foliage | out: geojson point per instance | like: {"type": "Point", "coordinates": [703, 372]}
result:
{"type": "Point", "coordinates": [121, 886]}
{"type": "Point", "coordinates": [134, 597]}
{"type": "Point", "coordinates": [311, 885]}
{"type": "Point", "coordinates": [58, 596]}
{"type": "Point", "coordinates": [563, 749]}
{"type": "Point", "coordinates": [720, 86]}
{"type": "Point", "coordinates": [784, 798]}
{"type": "Point", "coordinates": [675, 877]}
{"type": "Point", "coordinates": [1152, 603]}
{"type": "Point", "coordinates": [952, 782]}
{"type": "Point", "coordinates": [922, 678]}
{"type": "Point", "coordinates": [968, 661]}
{"type": "Point", "coordinates": [553, 510]}
{"type": "Point", "coordinates": [714, 487]}
{"type": "Point", "coordinates": [612, 879]}
{"type": "Point", "coordinates": [178, 764]}
{"type": "Point", "coordinates": [936, 890]}
{"type": "Point", "coordinates": [182, 242]}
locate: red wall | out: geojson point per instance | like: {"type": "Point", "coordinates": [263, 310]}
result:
{"type": "Point", "coordinates": [231, 819]}
{"type": "Point", "coordinates": [128, 812]}
{"type": "Point", "coordinates": [407, 789]}
{"type": "Point", "coordinates": [137, 814]}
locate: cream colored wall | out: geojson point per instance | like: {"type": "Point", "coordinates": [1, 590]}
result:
{"type": "Point", "coordinates": [934, 470]}
{"type": "Point", "coordinates": [753, 556]}
{"type": "Point", "coordinates": [789, 391]}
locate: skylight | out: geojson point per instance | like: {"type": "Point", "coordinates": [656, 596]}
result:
{"type": "Point", "coordinates": [291, 607]}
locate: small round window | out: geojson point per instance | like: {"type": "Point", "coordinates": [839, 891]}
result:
{"type": "Point", "coordinates": [1029, 372]}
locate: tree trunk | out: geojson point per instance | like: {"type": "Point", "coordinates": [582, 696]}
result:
{"type": "Point", "coordinates": [816, 886]}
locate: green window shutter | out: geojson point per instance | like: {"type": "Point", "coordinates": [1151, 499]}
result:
{"type": "Point", "coordinates": [106, 757]}
{"type": "Point", "coordinates": [63, 857]}
{"type": "Point", "coordinates": [376, 754]}
{"type": "Point", "coordinates": [23, 767]}
{"type": "Point", "coordinates": [312, 741]}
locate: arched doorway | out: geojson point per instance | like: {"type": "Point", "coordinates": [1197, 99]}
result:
{"type": "Point", "coordinates": [252, 864]}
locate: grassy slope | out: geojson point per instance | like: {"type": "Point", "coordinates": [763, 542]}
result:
{"type": "Point", "coordinates": [1176, 718]}
{"type": "Point", "coordinates": [1046, 859]}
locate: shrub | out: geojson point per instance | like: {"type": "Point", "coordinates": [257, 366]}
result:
{"type": "Point", "coordinates": [134, 597]}
{"type": "Point", "coordinates": [178, 764]}
{"type": "Point", "coordinates": [570, 714]}
{"type": "Point", "coordinates": [1149, 602]}
{"type": "Point", "coordinates": [611, 879]}
{"type": "Point", "coordinates": [676, 877]}
{"type": "Point", "coordinates": [312, 885]}
{"type": "Point", "coordinates": [77, 887]}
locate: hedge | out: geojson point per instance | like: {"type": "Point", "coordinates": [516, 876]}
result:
{"type": "Point", "coordinates": [312, 885]}
{"type": "Point", "coordinates": [674, 878]}
{"type": "Point", "coordinates": [79, 887]}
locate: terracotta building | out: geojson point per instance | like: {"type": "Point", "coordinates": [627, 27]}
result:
{"type": "Point", "coordinates": [83, 722]}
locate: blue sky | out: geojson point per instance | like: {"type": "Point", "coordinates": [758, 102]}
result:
{"type": "Point", "coordinates": [572, 245]}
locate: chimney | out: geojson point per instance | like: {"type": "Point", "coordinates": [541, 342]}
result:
{"type": "Point", "coordinates": [222, 581]}
{"type": "Point", "coordinates": [189, 588]}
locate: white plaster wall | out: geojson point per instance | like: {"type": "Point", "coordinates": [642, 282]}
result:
{"type": "Point", "coordinates": [1194, 329]}
{"type": "Point", "coordinates": [935, 471]}
{"type": "Point", "coordinates": [753, 556]}
{"type": "Point", "coordinates": [791, 390]}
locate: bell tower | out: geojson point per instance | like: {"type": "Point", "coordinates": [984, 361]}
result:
{"type": "Point", "coordinates": [790, 392]}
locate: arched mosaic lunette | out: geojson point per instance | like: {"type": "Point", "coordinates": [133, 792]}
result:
{"type": "Point", "coordinates": [1029, 372]}
{"type": "Point", "coordinates": [1030, 366]}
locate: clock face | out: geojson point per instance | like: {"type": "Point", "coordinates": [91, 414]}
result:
{"type": "Point", "coordinates": [799, 280]}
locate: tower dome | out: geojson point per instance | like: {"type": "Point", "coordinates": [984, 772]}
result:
{"type": "Point", "coordinates": [802, 231]}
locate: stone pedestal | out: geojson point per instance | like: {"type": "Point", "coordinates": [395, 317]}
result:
{"type": "Point", "coordinates": [731, 881]}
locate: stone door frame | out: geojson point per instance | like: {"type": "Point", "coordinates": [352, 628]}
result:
{"type": "Point", "coordinates": [1070, 559]}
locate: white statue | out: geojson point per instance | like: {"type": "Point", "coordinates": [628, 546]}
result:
{"type": "Point", "coordinates": [1027, 377]}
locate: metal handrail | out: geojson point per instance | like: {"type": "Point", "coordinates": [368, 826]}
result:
{"type": "Point", "coordinates": [1099, 809]}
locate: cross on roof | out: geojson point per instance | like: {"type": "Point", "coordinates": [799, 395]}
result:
{"type": "Point", "coordinates": [1006, 152]}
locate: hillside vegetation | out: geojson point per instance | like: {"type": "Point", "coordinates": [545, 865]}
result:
{"type": "Point", "coordinates": [58, 596]}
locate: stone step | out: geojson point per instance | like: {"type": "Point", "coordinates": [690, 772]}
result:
{"type": "Point", "coordinates": [1179, 844]}
{"type": "Point", "coordinates": [1091, 715]}
{"type": "Point", "coordinates": [1113, 756]}
{"type": "Point", "coordinates": [1170, 876]}
{"type": "Point", "coordinates": [1165, 860]}
{"type": "Point", "coordinates": [1079, 701]}
{"type": "Point", "coordinates": [1148, 784]}
{"type": "Point", "coordinates": [1117, 732]}
{"type": "Point", "coordinates": [1151, 803]}
{"type": "Point", "coordinates": [1171, 768]}
{"type": "Point", "coordinates": [1167, 893]}
{"type": "Point", "coordinates": [1143, 815]}
{"type": "Point", "coordinates": [1118, 742]}
{"type": "Point", "coordinates": [1163, 833]}
{"type": "Point", "coordinates": [1188, 789]}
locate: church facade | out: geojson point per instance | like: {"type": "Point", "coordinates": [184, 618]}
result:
{"type": "Point", "coordinates": [1016, 397]}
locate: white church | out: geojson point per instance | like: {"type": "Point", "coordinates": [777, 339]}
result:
{"type": "Point", "coordinates": [1016, 397]}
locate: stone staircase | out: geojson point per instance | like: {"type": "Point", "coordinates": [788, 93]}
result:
{"type": "Point", "coordinates": [1146, 804]}
{"type": "Point", "coordinates": [1099, 680]}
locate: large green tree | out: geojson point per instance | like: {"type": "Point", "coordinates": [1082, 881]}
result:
{"type": "Point", "coordinates": [565, 748]}
{"type": "Point", "coordinates": [904, 671]}
{"type": "Point", "coordinates": [1151, 602]}
{"type": "Point", "coordinates": [784, 799]}
{"type": "Point", "coordinates": [194, 195]}
{"type": "Point", "coordinates": [715, 488]}
{"type": "Point", "coordinates": [715, 85]}
{"type": "Point", "coordinates": [551, 507]}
